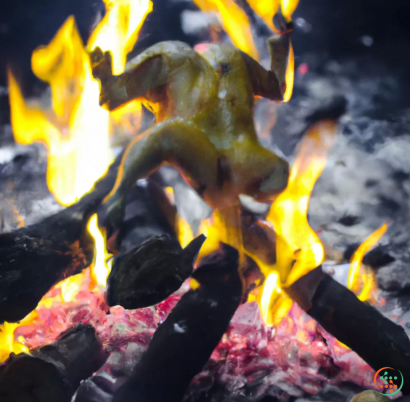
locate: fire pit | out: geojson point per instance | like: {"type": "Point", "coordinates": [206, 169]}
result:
{"type": "Point", "coordinates": [299, 297]}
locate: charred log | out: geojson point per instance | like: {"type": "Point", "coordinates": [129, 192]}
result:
{"type": "Point", "coordinates": [184, 342]}
{"type": "Point", "coordinates": [52, 373]}
{"type": "Point", "coordinates": [34, 258]}
{"type": "Point", "coordinates": [376, 339]}
{"type": "Point", "coordinates": [151, 272]}
{"type": "Point", "coordinates": [148, 213]}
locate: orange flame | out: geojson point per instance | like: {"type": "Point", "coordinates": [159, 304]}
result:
{"type": "Point", "coordinates": [298, 248]}
{"type": "Point", "coordinates": [75, 130]}
{"type": "Point", "coordinates": [353, 282]}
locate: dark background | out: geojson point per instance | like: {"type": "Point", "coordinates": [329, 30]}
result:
{"type": "Point", "coordinates": [332, 27]}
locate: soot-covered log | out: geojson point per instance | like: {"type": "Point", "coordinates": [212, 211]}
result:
{"type": "Point", "coordinates": [184, 342]}
{"type": "Point", "coordinates": [34, 258]}
{"type": "Point", "coordinates": [151, 272]}
{"type": "Point", "coordinates": [52, 373]}
{"type": "Point", "coordinates": [148, 213]}
{"type": "Point", "coordinates": [376, 339]}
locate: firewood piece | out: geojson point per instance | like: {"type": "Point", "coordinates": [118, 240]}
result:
{"type": "Point", "coordinates": [52, 373]}
{"type": "Point", "coordinates": [377, 340]}
{"type": "Point", "coordinates": [34, 258]}
{"type": "Point", "coordinates": [151, 272]}
{"type": "Point", "coordinates": [148, 213]}
{"type": "Point", "coordinates": [184, 342]}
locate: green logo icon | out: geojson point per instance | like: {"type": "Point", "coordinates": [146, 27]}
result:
{"type": "Point", "coordinates": [388, 380]}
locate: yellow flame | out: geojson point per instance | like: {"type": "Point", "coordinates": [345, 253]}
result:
{"type": "Point", "coordinates": [234, 21]}
{"type": "Point", "coordinates": [298, 248]}
{"type": "Point", "coordinates": [368, 285]}
{"type": "Point", "coordinates": [266, 9]}
{"type": "Point", "coordinates": [290, 75]}
{"type": "Point", "coordinates": [353, 282]}
{"type": "Point", "coordinates": [75, 125]}
{"type": "Point", "coordinates": [8, 344]}
{"type": "Point", "coordinates": [100, 269]}
{"type": "Point", "coordinates": [118, 31]}
{"type": "Point", "coordinates": [185, 234]}
{"type": "Point", "coordinates": [75, 129]}
{"type": "Point", "coordinates": [288, 7]}
{"type": "Point", "coordinates": [270, 292]}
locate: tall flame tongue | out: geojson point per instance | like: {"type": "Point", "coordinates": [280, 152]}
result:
{"type": "Point", "coordinates": [298, 248]}
{"type": "Point", "coordinates": [76, 130]}
{"type": "Point", "coordinates": [359, 280]}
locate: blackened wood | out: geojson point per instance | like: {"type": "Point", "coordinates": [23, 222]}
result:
{"type": "Point", "coordinates": [151, 272]}
{"type": "Point", "coordinates": [376, 339]}
{"type": "Point", "coordinates": [52, 373]}
{"type": "Point", "coordinates": [148, 213]}
{"type": "Point", "coordinates": [34, 258]}
{"type": "Point", "coordinates": [184, 342]}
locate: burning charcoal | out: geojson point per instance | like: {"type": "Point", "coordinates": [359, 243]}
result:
{"type": "Point", "coordinates": [34, 258]}
{"type": "Point", "coordinates": [52, 373]}
{"type": "Point", "coordinates": [376, 339]}
{"type": "Point", "coordinates": [184, 342]}
{"type": "Point", "coordinates": [151, 272]}
{"type": "Point", "coordinates": [370, 396]}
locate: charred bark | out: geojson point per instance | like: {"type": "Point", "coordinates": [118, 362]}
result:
{"type": "Point", "coordinates": [376, 339]}
{"type": "Point", "coordinates": [34, 258]}
{"type": "Point", "coordinates": [184, 342]}
{"type": "Point", "coordinates": [151, 272]}
{"type": "Point", "coordinates": [148, 213]}
{"type": "Point", "coordinates": [52, 373]}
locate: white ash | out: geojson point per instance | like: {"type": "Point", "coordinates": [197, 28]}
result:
{"type": "Point", "coordinates": [179, 328]}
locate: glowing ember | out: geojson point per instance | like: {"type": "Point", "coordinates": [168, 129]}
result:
{"type": "Point", "coordinates": [75, 132]}
{"type": "Point", "coordinates": [298, 248]}
{"type": "Point", "coordinates": [356, 279]}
